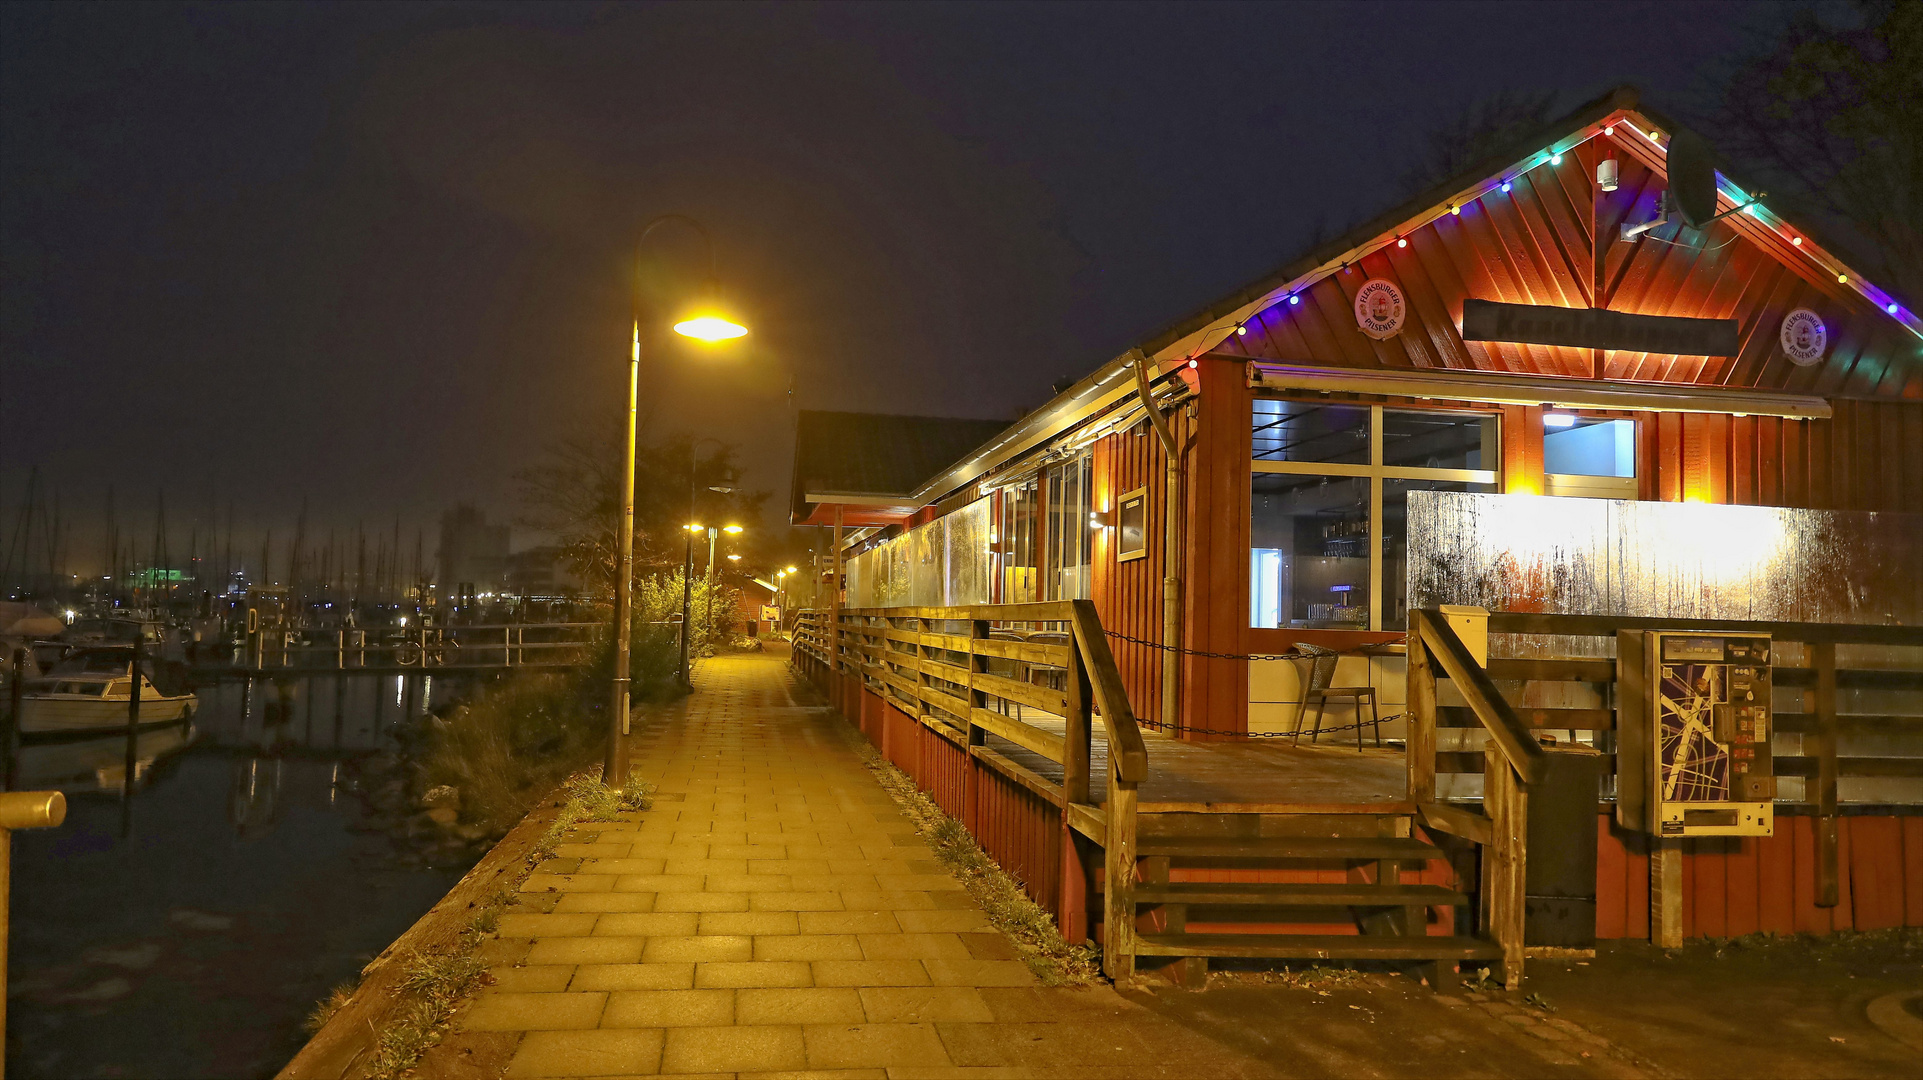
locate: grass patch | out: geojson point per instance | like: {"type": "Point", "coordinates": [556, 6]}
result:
{"type": "Point", "coordinates": [325, 1009]}
{"type": "Point", "coordinates": [1032, 930]}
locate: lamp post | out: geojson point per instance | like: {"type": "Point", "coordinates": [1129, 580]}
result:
{"type": "Point", "coordinates": [684, 674]}
{"type": "Point", "coordinates": [703, 326]}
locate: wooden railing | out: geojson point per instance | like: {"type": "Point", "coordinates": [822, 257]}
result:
{"type": "Point", "coordinates": [1513, 761]}
{"type": "Point", "coordinates": [1514, 731]}
{"type": "Point", "coordinates": [1018, 672]}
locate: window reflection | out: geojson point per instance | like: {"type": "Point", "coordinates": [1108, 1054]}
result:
{"type": "Point", "coordinates": [1309, 551]}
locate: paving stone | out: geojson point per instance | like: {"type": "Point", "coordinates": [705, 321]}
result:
{"type": "Point", "coordinates": [568, 883]}
{"type": "Point", "coordinates": [955, 920]}
{"type": "Point", "coordinates": [979, 973]}
{"type": "Point", "coordinates": [605, 901]}
{"type": "Point", "coordinates": [622, 866]}
{"type": "Point", "coordinates": [545, 979]}
{"type": "Point", "coordinates": [649, 924]}
{"type": "Point", "coordinates": [606, 1052]}
{"type": "Point", "coordinates": [701, 901]}
{"type": "Point", "coordinates": [734, 1049]}
{"type": "Point", "coordinates": [794, 901]}
{"type": "Point", "coordinates": [669, 1008]}
{"type": "Point", "coordinates": [808, 947]}
{"type": "Point", "coordinates": [913, 947]}
{"type": "Point", "coordinates": [854, 1046]}
{"type": "Point", "coordinates": [586, 950]}
{"type": "Point", "coordinates": [850, 922]}
{"type": "Point", "coordinates": [754, 973]}
{"type": "Point", "coordinates": [657, 883]}
{"type": "Point", "coordinates": [799, 1005]}
{"type": "Point", "coordinates": [700, 948]}
{"type": "Point", "coordinates": [870, 973]}
{"type": "Point", "coordinates": [533, 1012]}
{"type": "Point", "coordinates": [633, 977]}
{"type": "Point", "coordinates": [569, 925]}
{"type": "Point", "coordinates": [925, 1004]}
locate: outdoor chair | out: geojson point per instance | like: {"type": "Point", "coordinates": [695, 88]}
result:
{"type": "Point", "coordinates": [1008, 669]}
{"type": "Point", "coordinates": [1319, 693]}
{"type": "Point", "coordinates": [1053, 676]}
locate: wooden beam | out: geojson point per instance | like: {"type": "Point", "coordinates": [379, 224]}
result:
{"type": "Point", "coordinates": [1517, 743]}
{"type": "Point", "coordinates": [1127, 754]}
{"type": "Point", "coordinates": [1457, 821]}
{"type": "Point", "coordinates": [1421, 757]}
{"type": "Point", "coordinates": [1823, 660]}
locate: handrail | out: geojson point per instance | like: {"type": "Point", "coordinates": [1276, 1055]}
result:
{"type": "Point", "coordinates": [1127, 754]}
{"type": "Point", "coordinates": [1506, 729]}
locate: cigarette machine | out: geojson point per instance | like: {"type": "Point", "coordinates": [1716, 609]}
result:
{"type": "Point", "coordinates": [1693, 733]}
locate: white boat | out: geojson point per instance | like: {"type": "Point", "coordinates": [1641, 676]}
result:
{"type": "Point", "coordinates": [87, 696]}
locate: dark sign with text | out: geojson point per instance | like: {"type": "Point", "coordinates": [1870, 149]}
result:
{"type": "Point", "coordinates": [1595, 328]}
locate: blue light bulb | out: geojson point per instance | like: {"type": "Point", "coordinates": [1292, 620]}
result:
{"type": "Point", "coordinates": [1505, 185]}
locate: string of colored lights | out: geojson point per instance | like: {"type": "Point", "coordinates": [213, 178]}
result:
{"type": "Point", "coordinates": [1504, 181]}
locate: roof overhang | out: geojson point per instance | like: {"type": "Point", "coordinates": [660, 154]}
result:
{"type": "Point", "coordinates": [1498, 389]}
{"type": "Point", "coordinates": [857, 508]}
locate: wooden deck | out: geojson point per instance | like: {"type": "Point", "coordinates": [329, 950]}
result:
{"type": "Point", "coordinates": [1254, 776]}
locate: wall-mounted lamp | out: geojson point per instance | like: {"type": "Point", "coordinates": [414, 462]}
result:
{"type": "Point", "coordinates": [1098, 519]}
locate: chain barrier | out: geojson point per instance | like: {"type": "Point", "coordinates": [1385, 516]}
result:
{"type": "Point", "coordinates": [1158, 726]}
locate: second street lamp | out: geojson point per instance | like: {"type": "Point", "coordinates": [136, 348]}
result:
{"type": "Point", "coordinates": [706, 325]}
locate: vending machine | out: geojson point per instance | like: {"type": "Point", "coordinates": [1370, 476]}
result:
{"type": "Point", "coordinates": [1693, 733]}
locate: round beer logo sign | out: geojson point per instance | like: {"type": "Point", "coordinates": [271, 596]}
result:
{"type": "Point", "coordinates": [1804, 337]}
{"type": "Point", "coordinates": [1379, 309]}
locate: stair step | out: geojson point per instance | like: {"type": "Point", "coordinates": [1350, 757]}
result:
{"type": "Point", "coordinates": [1318, 946]}
{"type": "Point", "coordinates": [1358, 848]}
{"type": "Point", "coordinates": [1290, 894]}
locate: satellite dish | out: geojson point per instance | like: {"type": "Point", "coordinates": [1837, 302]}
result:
{"type": "Point", "coordinates": [1692, 179]}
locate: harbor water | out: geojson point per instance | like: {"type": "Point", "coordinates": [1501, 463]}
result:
{"type": "Point", "coordinates": [259, 874]}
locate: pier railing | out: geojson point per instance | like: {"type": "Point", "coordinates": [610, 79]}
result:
{"type": "Point", "coordinates": [1035, 675]}
{"type": "Point", "coordinates": [410, 649]}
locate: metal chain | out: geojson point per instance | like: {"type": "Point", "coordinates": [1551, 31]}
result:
{"type": "Point", "coordinates": [1202, 652]}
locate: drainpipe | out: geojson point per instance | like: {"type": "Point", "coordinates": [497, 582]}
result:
{"type": "Point", "coordinates": [1171, 526]}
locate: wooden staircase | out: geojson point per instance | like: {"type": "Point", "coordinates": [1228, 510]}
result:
{"type": "Point", "coordinates": [1283, 904]}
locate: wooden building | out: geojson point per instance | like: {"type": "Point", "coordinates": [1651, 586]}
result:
{"type": "Point", "coordinates": [1235, 488]}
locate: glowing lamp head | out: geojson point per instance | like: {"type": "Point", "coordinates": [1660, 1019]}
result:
{"type": "Point", "coordinates": [1555, 159]}
{"type": "Point", "coordinates": [734, 558]}
{"type": "Point", "coordinates": [1402, 241]}
{"type": "Point", "coordinates": [731, 529]}
{"type": "Point", "coordinates": [1241, 331]}
{"type": "Point", "coordinates": [1455, 211]}
{"type": "Point", "coordinates": [1505, 185]}
{"type": "Point", "coordinates": [710, 328]}
{"type": "Point", "coordinates": [1295, 298]}
{"type": "Point", "coordinates": [1842, 279]}
{"type": "Point", "coordinates": [1890, 308]}
{"type": "Point", "coordinates": [1796, 241]}
{"type": "Point", "coordinates": [694, 527]}
{"type": "Point", "coordinates": [1610, 130]}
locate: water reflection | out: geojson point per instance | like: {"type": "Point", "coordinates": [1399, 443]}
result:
{"type": "Point", "coordinates": [258, 876]}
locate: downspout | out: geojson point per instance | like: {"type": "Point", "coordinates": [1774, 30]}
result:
{"type": "Point", "coordinates": [1171, 533]}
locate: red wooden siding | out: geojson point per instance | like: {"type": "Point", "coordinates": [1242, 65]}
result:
{"type": "Point", "coordinates": [1129, 594]}
{"type": "Point", "coordinates": [1535, 245]}
{"type": "Point", "coordinates": [1767, 884]}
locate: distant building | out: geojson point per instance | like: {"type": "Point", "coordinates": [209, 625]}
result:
{"type": "Point", "coordinates": [473, 555]}
{"type": "Point", "coordinates": [541, 572]}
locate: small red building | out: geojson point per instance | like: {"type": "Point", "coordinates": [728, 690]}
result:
{"type": "Point", "coordinates": [1237, 485]}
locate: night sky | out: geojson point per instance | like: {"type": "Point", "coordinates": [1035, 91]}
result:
{"type": "Point", "coordinates": [377, 256]}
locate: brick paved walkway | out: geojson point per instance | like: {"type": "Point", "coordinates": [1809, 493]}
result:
{"type": "Point", "coordinates": [774, 912]}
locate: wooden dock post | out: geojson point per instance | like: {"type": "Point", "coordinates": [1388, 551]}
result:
{"type": "Point", "coordinates": [133, 743]}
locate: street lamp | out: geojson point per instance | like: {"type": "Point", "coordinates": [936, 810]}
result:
{"type": "Point", "coordinates": [708, 325]}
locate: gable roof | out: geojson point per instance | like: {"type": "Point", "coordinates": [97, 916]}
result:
{"type": "Point", "coordinates": [875, 460]}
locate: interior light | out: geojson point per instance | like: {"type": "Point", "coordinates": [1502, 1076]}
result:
{"type": "Point", "coordinates": [710, 328]}
{"type": "Point", "coordinates": [1558, 419]}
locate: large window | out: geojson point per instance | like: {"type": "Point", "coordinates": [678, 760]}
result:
{"type": "Point", "coordinates": [1330, 497]}
{"type": "Point", "coordinates": [1067, 535]}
